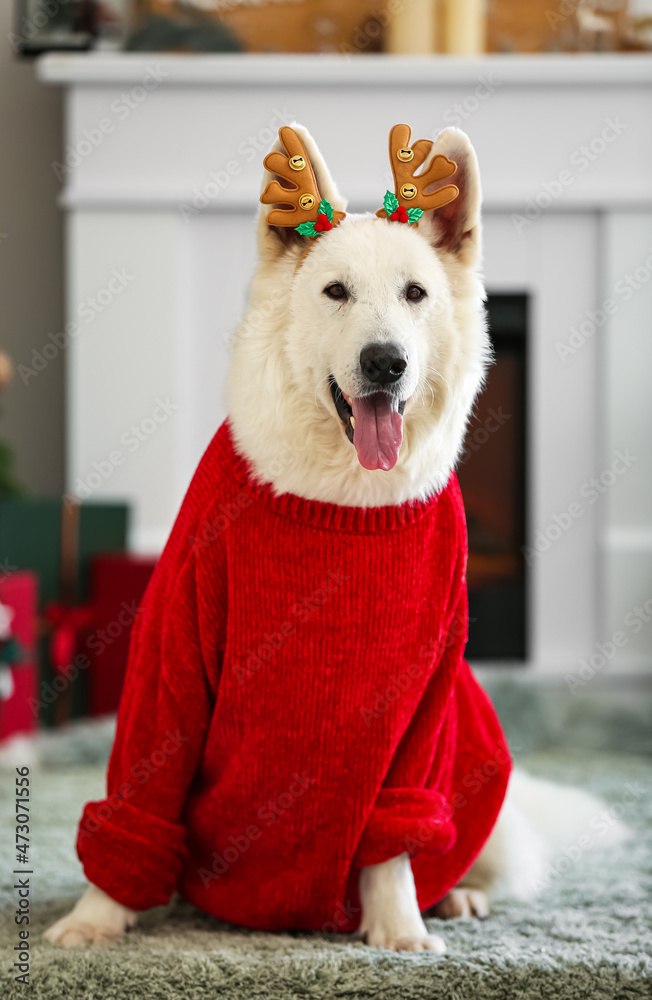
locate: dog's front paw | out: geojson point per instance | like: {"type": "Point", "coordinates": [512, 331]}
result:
{"type": "Point", "coordinates": [71, 932]}
{"type": "Point", "coordinates": [401, 935]}
{"type": "Point", "coordinates": [390, 913]}
{"type": "Point", "coordinates": [96, 920]}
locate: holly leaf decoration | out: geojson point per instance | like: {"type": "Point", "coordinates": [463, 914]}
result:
{"type": "Point", "coordinates": [325, 208]}
{"type": "Point", "coordinates": [390, 203]}
{"type": "Point", "coordinates": [414, 214]}
{"type": "Point", "coordinates": [307, 229]}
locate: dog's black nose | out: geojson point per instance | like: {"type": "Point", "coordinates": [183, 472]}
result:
{"type": "Point", "coordinates": [383, 363]}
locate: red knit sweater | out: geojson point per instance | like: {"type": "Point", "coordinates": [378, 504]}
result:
{"type": "Point", "coordinates": [297, 705]}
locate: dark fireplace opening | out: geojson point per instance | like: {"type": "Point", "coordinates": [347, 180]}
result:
{"type": "Point", "coordinates": [492, 476]}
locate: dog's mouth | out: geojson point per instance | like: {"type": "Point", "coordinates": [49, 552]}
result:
{"type": "Point", "coordinates": [373, 424]}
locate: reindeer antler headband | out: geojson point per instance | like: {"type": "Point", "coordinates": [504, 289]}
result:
{"type": "Point", "coordinates": [308, 212]}
{"type": "Point", "coordinates": [311, 215]}
{"type": "Point", "coordinates": [409, 200]}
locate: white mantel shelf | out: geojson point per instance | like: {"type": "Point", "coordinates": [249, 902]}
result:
{"type": "Point", "coordinates": [246, 70]}
{"type": "Point", "coordinates": [341, 98]}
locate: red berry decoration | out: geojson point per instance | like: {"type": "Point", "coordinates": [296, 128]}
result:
{"type": "Point", "coordinates": [399, 213]}
{"type": "Point", "coordinates": [322, 223]}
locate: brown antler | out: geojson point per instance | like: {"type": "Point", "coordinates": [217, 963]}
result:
{"type": "Point", "coordinates": [300, 192]}
{"type": "Point", "coordinates": [410, 187]}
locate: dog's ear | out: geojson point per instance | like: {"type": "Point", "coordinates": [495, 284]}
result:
{"type": "Point", "coordinates": [455, 227]}
{"type": "Point", "coordinates": [277, 240]}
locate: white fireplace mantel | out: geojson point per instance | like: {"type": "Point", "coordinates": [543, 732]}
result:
{"type": "Point", "coordinates": [161, 184]}
{"type": "Point", "coordinates": [246, 70]}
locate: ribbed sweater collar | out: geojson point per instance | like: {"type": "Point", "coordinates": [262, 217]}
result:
{"type": "Point", "coordinates": [328, 516]}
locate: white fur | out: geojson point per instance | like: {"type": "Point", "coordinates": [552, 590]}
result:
{"type": "Point", "coordinates": [95, 919]}
{"type": "Point", "coordinates": [291, 339]}
{"type": "Point", "coordinates": [390, 913]}
{"type": "Point", "coordinates": [540, 823]}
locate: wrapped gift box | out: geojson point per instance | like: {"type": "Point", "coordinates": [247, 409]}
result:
{"type": "Point", "coordinates": [19, 591]}
{"type": "Point", "coordinates": [56, 539]}
{"type": "Point", "coordinates": [118, 583]}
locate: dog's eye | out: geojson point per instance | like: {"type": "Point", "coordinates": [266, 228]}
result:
{"type": "Point", "coordinates": [336, 291]}
{"type": "Point", "coordinates": [414, 293]}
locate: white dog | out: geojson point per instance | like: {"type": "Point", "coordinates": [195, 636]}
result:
{"type": "Point", "coordinates": [297, 388]}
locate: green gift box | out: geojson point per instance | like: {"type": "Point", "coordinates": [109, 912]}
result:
{"type": "Point", "coordinates": [56, 538]}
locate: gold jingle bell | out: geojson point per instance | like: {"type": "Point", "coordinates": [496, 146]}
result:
{"type": "Point", "coordinates": [306, 201]}
{"type": "Point", "coordinates": [409, 191]}
{"type": "Point", "coordinates": [297, 162]}
{"type": "Point", "coordinates": [404, 154]}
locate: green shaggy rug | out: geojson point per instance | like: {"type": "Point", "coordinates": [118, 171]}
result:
{"type": "Point", "coordinates": [587, 936]}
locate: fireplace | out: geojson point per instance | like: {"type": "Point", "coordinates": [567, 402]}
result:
{"type": "Point", "coordinates": [493, 476]}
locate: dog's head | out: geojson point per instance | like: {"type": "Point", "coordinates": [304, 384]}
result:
{"type": "Point", "coordinates": [371, 333]}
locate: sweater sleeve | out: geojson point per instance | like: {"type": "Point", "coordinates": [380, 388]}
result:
{"type": "Point", "coordinates": [412, 811]}
{"type": "Point", "coordinates": [132, 843]}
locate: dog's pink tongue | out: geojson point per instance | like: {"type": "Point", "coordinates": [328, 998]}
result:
{"type": "Point", "coordinates": [378, 431]}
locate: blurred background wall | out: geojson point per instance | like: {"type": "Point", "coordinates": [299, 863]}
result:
{"type": "Point", "coordinates": [31, 261]}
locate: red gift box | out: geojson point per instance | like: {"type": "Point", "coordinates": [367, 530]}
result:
{"type": "Point", "coordinates": [118, 583]}
{"type": "Point", "coordinates": [19, 591]}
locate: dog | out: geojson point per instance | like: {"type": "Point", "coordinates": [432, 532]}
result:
{"type": "Point", "coordinates": [353, 375]}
